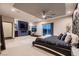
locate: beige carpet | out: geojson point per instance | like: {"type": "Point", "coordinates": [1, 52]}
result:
{"type": "Point", "coordinates": [22, 46]}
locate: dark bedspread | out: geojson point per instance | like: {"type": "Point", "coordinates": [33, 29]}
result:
{"type": "Point", "coordinates": [52, 40]}
{"type": "Point", "coordinates": [54, 43]}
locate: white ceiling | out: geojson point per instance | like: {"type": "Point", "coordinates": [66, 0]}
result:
{"type": "Point", "coordinates": [32, 12]}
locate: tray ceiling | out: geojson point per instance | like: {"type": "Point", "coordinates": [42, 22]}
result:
{"type": "Point", "coordinates": [36, 8]}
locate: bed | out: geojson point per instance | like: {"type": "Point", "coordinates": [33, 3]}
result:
{"type": "Point", "coordinates": [54, 45]}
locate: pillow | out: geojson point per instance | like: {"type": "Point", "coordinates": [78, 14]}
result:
{"type": "Point", "coordinates": [63, 37]}
{"type": "Point", "coordinates": [68, 38]}
{"type": "Point", "coordinates": [75, 39]}
{"type": "Point", "coordinates": [59, 37]}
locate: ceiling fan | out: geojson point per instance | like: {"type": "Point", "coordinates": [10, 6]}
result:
{"type": "Point", "coordinates": [46, 15]}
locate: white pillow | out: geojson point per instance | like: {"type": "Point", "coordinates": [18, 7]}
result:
{"type": "Point", "coordinates": [74, 39]}
{"type": "Point", "coordinates": [68, 38]}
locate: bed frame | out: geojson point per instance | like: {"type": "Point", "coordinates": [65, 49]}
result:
{"type": "Point", "coordinates": [54, 49]}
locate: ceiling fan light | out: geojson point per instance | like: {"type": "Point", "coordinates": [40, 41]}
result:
{"type": "Point", "coordinates": [44, 16]}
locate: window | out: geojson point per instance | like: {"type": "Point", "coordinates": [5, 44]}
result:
{"type": "Point", "coordinates": [47, 29]}
{"type": "Point", "coordinates": [33, 28]}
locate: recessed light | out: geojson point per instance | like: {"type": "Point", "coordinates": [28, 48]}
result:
{"type": "Point", "coordinates": [13, 9]}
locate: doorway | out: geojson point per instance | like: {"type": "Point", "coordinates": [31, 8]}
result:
{"type": "Point", "coordinates": [8, 30]}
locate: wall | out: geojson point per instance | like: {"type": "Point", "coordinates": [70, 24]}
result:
{"type": "Point", "coordinates": [59, 25]}
{"type": "Point", "coordinates": [8, 26]}
{"type": "Point", "coordinates": [30, 25]}
{"type": "Point", "coordinates": [7, 19]}
{"type": "Point", "coordinates": [40, 28]}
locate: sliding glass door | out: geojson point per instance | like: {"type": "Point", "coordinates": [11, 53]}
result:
{"type": "Point", "coordinates": [48, 29]}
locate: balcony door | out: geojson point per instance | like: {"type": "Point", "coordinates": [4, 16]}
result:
{"type": "Point", "coordinates": [48, 29]}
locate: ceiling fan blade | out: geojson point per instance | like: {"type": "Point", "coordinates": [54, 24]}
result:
{"type": "Point", "coordinates": [47, 15]}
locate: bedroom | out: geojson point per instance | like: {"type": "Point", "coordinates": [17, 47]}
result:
{"type": "Point", "coordinates": [39, 14]}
